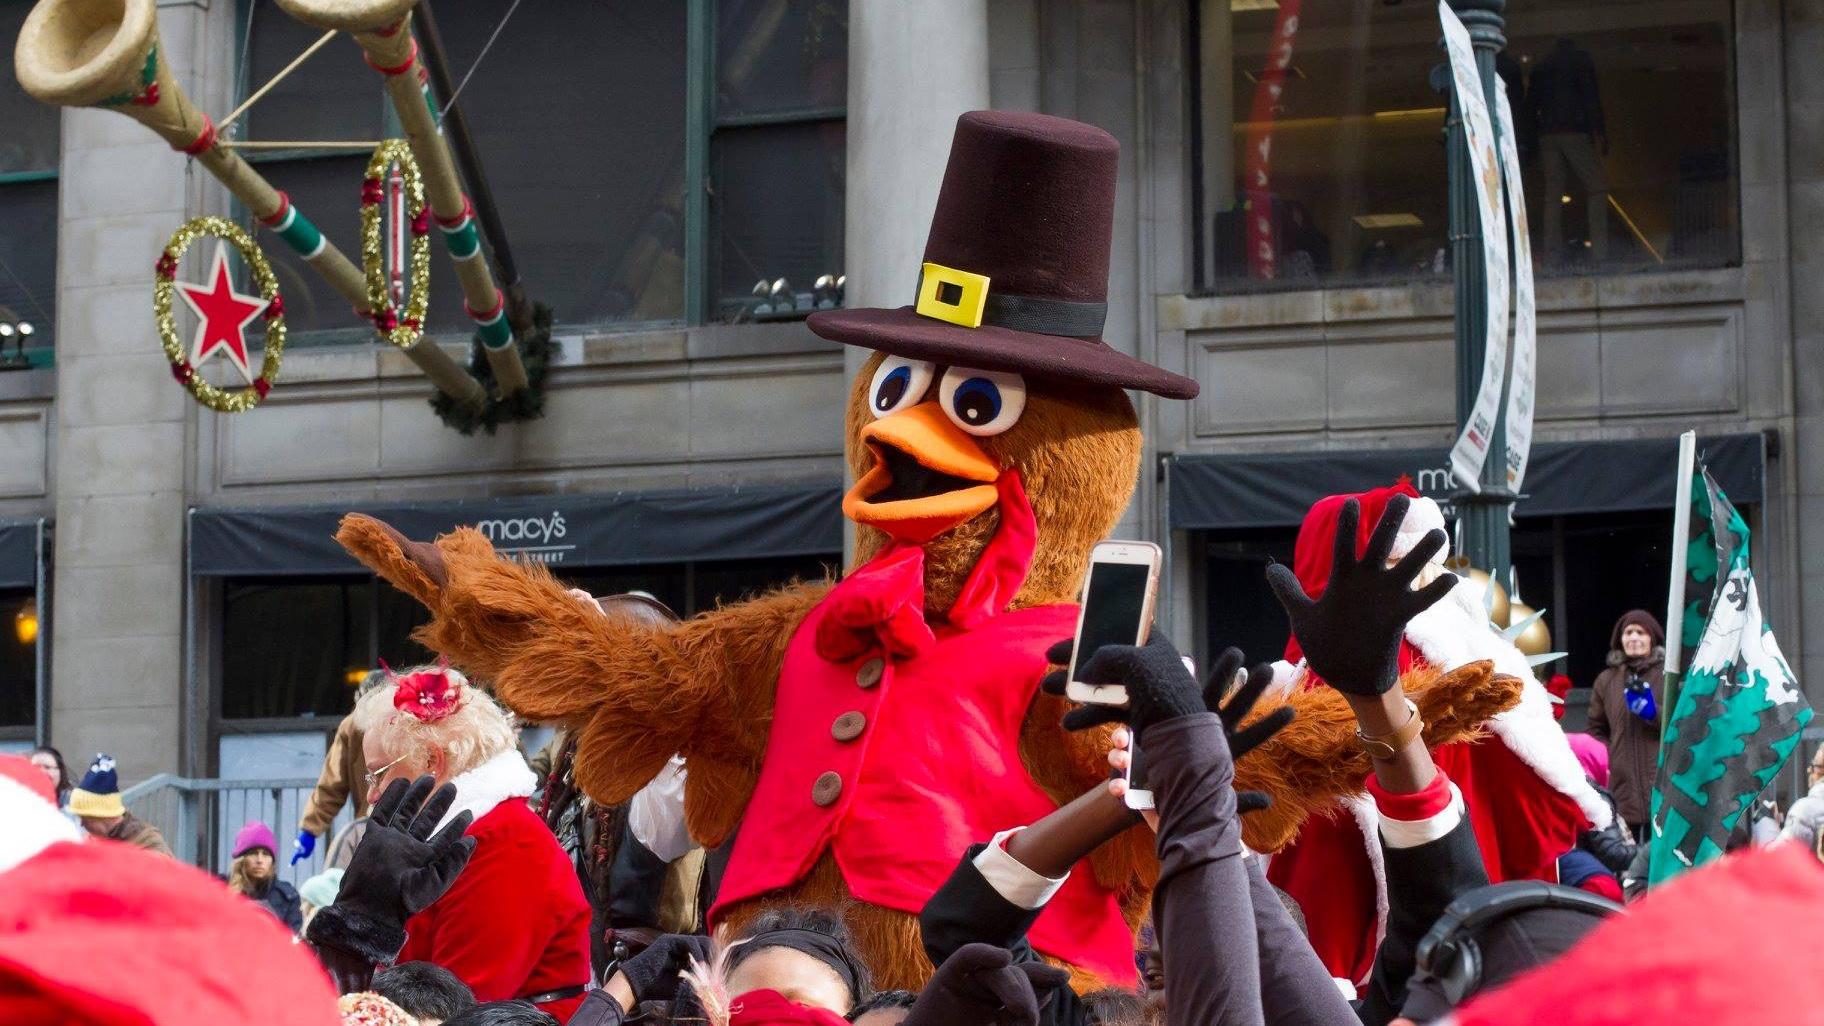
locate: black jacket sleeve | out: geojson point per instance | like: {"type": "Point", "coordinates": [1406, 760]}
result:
{"type": "Point", "coordinates": [1294, 985]}
{"type": "Point", "coordinates": [968, 910]}
{"type": "Point", "coordinates": [1421, 882]}
{"type": "Point", "coordinates": [1202, 907]}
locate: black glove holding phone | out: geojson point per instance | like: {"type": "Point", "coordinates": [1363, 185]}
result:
{"type": "Point", "coordinates": [1160, 687]}
{"type": "Point", "coordinates": [1351, 635]}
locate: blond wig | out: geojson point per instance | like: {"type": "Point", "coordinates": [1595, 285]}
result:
{"type": "Point", "coordinates": [478, 729]}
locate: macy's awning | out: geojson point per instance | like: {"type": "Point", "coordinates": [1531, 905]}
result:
{"type": "Point", "coordinates": [1219, 492]}
{"type": "Point", "coordinates": [572, 530]}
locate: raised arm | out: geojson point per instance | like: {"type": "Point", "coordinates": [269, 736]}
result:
{"type": "Point", "coordinates": [639, 690]}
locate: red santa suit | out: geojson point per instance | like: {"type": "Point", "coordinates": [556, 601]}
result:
{"type": "Point", "coordinates": [1527, 796]}
{"type": "Point", "coordinates": [895, 743]}
{"type": "Point", "coordinates": [515, 923]}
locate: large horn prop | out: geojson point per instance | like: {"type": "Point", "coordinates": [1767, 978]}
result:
{"type": "Point", "coordinates": [106, 53]}
{"type": "Point", "coordinates": [383, 28]}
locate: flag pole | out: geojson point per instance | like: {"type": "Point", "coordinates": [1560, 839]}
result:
{"type": "Point", "coordinates": [1675, 595]}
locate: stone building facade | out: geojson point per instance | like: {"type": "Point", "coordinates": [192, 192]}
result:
{"type": "Point", "coordinates": [118, 464]}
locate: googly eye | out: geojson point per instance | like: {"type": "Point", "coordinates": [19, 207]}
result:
{"type": "Point", "coordinates": [982, 402]}
{"type": "Point", "coordinates": [898, 383]}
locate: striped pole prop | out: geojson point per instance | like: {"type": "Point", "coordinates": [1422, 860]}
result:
{"type": "Point", "coordinates": [391, 50]}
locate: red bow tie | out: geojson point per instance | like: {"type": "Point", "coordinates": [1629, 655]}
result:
{"type": "Point", "coordinates": [880, 605]}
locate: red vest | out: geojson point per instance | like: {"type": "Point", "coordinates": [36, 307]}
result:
{"type": "Point", "coordinates": [895, 744]}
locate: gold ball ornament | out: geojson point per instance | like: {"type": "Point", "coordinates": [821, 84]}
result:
{"type": "Point", "coordinates": [1537, 638]}
{"type": "Point", "coordinates": [1498, 610]}
{"type": "Point", "coordinates": [164, 290]}
{"type": "Point", "coordinates": [401, 330]}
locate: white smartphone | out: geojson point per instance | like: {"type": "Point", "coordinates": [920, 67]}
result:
{"type": "Point", "coordinates": [1116, 608]}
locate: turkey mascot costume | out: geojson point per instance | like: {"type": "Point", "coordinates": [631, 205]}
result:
{"type": "Point", "coordinates": [848, 741]}
{"type": "Point", "coordinates": [1527, 795]}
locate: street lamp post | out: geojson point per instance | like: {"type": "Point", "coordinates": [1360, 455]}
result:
{"type": "Point", "coordinates": [1483, 514]}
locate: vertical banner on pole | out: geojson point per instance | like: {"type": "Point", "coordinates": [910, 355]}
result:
{"type": "Point", "coordinates": [1521, 382]}
{"type": "Point", "coordinates": [1470, 452]}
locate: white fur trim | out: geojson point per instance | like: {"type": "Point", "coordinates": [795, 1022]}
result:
{"type": "Point", "coordinates": [1422, 518]}
{"type": "Point", "coordinates": [1456, 631]}
{"type": "Point", "coordinates": [1368, 818]}
{"type": "Point", "coordinates": [32, 824]}
{"type": "Point", "coordinates": [487, 785]}
{"type": "Point", "coordinates": [1285, 678]}
{"type": "Point", "coordinates": [1410, 833]}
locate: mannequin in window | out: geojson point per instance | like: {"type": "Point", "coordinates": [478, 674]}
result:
{"type": "Point", "coordinates": [1566, 108]}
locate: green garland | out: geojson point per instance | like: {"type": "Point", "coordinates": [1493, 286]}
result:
{"type": "Point", "coordinates": [535, 351]}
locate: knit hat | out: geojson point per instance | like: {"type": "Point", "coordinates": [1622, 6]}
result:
{"type": "Point", "coordinates": [254, 835]}
{"type": "Point", "coordinates": [370, 1009]}
{"type": "Point", "coordinates": [1725, 945]}
{"type": "Point", "coordinates": [98, 796]}
{"type": "Point", "coordinates": [320, 890]}
{"type": "Point", "coordinates": [1641, 618]}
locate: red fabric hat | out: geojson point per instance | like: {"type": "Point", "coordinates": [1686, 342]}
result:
{"type": "Point", "coordinates": [21, 771]}
{"type": "Point", "coordinates": [1316, 546]}
{"type": "Point", "coordinates": [102, 934]}
{"type": "Point", "coordinates": [770, 1008]}
{"type": "Point", "coordinates": [1726, 945]}
{"type": "Point", "coordinates": [1017, 261]}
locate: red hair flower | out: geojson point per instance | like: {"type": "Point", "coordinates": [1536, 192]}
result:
{"type": "Point", "coordinates": [430, 695]}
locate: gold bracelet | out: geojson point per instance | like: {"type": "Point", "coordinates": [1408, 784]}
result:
{"type": "Point", "coordinates": [1382, 747]}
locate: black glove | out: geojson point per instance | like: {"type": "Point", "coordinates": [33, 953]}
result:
{"type": "Point", "coordinates": [1173, 693]}
{"type": "Point", "coordinates": [397, 871]}
{"type": "Point", "coordinates": [1351, 636]}
{"type": "Point", "coordinates": [1159, 688]}
{"type": "Point", "coordinates": [982, 984]}
{"type": "Point", "coordinates": [652, 974]}
{"type": "Point", "coordinates": [1243, 740]}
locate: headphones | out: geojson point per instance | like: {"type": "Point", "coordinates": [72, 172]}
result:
{"type": "Point", "coordinates": [1449, 952]}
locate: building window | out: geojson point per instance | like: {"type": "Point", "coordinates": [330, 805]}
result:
{"type": "Point", "coordinates": [19, 630]}
{"type": "Point", "coordinates": [778, 152]}
{"type": "Point", "coordinates": [28, 215]}
{"type": "Point", "coordinates": [585, 121]}
{"type": "Point", "coordinates": [296, 648]}
{"type": "Point", "coordinates": [1626, 126]}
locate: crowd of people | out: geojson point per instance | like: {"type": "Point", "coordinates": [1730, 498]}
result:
{"type": "Point", "coordinates": [481, 892]}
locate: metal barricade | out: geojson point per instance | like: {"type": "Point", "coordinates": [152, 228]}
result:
{"type": "Point", "coordinates": [199, 818]}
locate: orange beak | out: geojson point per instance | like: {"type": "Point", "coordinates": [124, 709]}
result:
{"type": "Point", "coordinates": [928, 476]}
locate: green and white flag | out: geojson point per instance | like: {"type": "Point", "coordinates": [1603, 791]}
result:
{"type": "Point", "coordinates": [1738, 712]}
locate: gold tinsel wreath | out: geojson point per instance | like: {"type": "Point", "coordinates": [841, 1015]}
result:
{"type": "Point", "coordinates": [405, 331]}
{"type": "Point", "coordinates": [164, 289]}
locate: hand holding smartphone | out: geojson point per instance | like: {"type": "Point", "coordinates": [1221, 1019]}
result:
{"type": "Point", "coordinates": [1116, 608]}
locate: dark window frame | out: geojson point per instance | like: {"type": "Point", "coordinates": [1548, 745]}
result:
{"type": "Point", "coordinates": [702, 121]}
{"type": "Point", "coordinates": [1203, 280]}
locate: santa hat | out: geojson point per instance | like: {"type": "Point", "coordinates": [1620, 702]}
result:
{"type": "Point", "coordinates": [1316, 546]}
{"type": "Point", "coordinates": [1726, 945]}
{"type": "Point", "coordinates": [98, 796]}
{"type": "Point", "coordinates": [165, 931]}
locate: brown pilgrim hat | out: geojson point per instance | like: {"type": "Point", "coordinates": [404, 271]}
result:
{"type": "Point", "coordinates": [1015, 275]}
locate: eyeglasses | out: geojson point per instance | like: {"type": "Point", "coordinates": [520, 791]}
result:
{"type": "Point", "coordinates": [372, 777]}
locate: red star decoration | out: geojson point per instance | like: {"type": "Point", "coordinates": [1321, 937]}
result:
{"type": "Point", "coordinates": [222, 317]}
